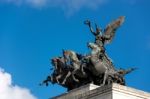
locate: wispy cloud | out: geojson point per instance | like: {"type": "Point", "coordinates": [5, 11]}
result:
{"type": "Point", "coordinates": [9, 91]}
{"type": "Point", "coordinates": [68, 6]}
{"type": "Point", "coordinates": [71, 6]}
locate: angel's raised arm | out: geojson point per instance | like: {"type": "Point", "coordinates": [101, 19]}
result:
{"type": "Point", "coordinates": [88, 23]}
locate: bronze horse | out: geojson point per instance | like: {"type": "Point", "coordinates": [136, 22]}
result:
{"type": "Point", "coordinates": [100, 65]}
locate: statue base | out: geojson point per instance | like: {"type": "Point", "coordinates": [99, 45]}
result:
{"type": "Point", "coordinates": [113, 91]}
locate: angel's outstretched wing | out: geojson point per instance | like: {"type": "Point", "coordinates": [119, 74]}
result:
{"type": "Point", "coordinates": [111, 28]}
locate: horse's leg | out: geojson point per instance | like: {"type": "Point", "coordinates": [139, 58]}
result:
{"type": "Point", "coordinates": [58, 77]}
{"type": "Point", "coordinates": [105, 77]}
{"type": "Point", "coordinates": [82, 70]}
{"type": "Point", "coordinates": [109, 79]}
{"type": "Point", "coordinates": [75, 68]}
{"type": "Point", "coordinates": [48, 79]}
{"type": "Point", "coordinates": [68, 74]}
{"type": "Point", "coordinates": [73, 73]}
{"type": "Point", "coordinates": [51, 79]}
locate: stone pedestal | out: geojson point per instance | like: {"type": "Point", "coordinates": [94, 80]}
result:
{"type": "Point", "coordinates": [113, 91]}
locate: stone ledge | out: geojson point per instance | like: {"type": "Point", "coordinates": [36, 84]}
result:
{"type": "Point", "coordinates": [77, 91]}
{"type": "Point", "coordinates": [117, 89]}
{"type": "Point", "coordinates": [113, 91]}
{"type": "Point", "coordinates": [129, 90]}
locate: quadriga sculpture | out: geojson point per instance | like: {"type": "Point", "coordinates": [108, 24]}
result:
{"type": "Point", "coordinates": [72, 70]}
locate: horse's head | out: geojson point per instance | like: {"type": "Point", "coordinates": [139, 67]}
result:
{"type": "Point", "coordinates": [66, 53]}
{"type": "Point", "coordinates": [92, 46]}
{"type": "Point", "coordinates": [53, 60]}
{"type": "Point", "coordinates": [70, 55]}
{"type": "Point", "coordinates": [95, 49]}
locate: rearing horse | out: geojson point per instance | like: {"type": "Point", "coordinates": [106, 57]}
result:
{"type": "Point", "coordinates": [73, 61]}
{"type": "Point", "coordinates": [101, 66]}
{"type": "Point", "coordinates": [60, 70]}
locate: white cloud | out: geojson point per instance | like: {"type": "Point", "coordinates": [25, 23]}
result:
{"type": "Point", "coordinates": [68, 6]}
{"type": "Point", "coordinates": [36, 3]}
{"type": "Point", "coordinates": [9, 91]}
{"type": "Point", "coordinates": [71, 6]}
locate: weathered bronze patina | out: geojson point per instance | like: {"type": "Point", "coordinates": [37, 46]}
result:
{"type": "Point", "coordinates": [72, 70]}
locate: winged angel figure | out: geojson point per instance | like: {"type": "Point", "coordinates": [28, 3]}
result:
{"type": "Point", "coordinates": [105, 36]}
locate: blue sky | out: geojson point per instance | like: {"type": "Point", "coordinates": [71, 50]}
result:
{"type": "Point", "coordinates": [34, 31]}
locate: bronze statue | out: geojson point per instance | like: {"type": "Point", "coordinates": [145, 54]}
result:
{"type": "Point", "coordinates": [102, 38]}
{"type": "Point", "coordinates": [72, 70]}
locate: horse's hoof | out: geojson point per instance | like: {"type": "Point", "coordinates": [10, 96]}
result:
{"type": "Point", "coordinates": [101, 85]}
{"type": "Point", "coordinates": [63, 83]}
{"type": "Point", "coordinates": [77, 80]}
